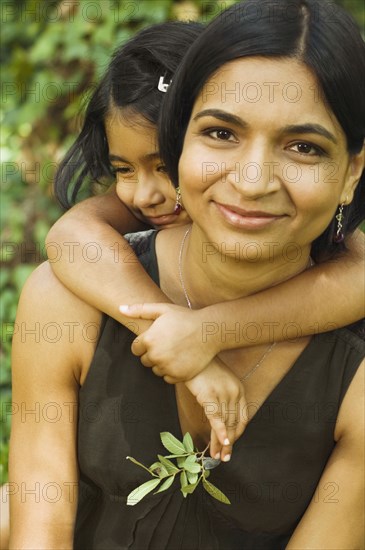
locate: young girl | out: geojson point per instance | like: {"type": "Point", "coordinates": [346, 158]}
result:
{"type": "Point", "coordinates": [119, 137]}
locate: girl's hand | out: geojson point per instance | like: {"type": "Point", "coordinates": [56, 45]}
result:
{"type": "Point", "coordinates": [176, 346]}
{"type": "Point", "coordinates": [222, 396]}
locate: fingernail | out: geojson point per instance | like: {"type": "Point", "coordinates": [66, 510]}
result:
{"type": "Point", "coordinates": [123, 309]}
{"type": "Point", "coordinates": [226, 442]}
{"type": "Point", "coordinates": [217, 456]}
{"type": "Point", "coordinates": [227, 458]}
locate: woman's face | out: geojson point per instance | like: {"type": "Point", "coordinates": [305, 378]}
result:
{"type": "Point", "coordinates": [264, 159]}
{"type": "Point", "coordinates": [141, 181]}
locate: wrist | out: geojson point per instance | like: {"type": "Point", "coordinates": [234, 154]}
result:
{"type": "Point", "coordinates": [209, 326]}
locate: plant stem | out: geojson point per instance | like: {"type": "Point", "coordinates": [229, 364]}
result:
{"type": "Point", "coordinates": [202, 453]}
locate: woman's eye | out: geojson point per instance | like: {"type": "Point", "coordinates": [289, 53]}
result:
{"type": "Point", "coordinates": [307, 149]}
{"type": "Point", "coordinates": [161, 168]}
{"type": "Point", "coordinates": [220, 134]}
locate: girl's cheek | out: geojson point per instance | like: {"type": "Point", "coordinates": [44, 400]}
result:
{"type": "Point", "coordinates": [125, 192]}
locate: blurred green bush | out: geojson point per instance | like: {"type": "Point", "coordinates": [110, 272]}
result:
{"type": "Point", "coordinates": [52, 53]}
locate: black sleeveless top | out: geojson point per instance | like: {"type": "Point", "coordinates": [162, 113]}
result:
{"type": "Point", "coordinates": [270, 480]}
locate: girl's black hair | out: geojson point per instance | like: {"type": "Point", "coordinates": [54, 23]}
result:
{"type": "Point", "coordinates": [317, 32]}
{"type": "Point", "coordinates": [131, 80]}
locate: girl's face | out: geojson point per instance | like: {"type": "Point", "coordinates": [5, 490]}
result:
{"type": "Point", "coordinates": [264, 161]}
{"type": "Point", "coordinates": [141, 181]}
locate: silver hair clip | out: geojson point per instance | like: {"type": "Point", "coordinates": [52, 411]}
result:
{"type": "Point", "coordinates": [162, 86]}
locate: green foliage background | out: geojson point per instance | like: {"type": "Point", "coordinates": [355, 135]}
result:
{"type": "Point", "coordinates": [52, 52]}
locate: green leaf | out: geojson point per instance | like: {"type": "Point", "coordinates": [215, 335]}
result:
{"type": "Point", "coordinates": [192, 478]}
{"type": "Point", "coordinates": [192, 467]}
{"type": "Point", "coordinates": [183, 479]}
{"type": "Point", "coordinates": [177, 456]}
{"type": "Point", "coordinates": [215, 492]}
{"type": "Point", "coordinates": [188, 443]}
{"type": "Point", "coordinates": [171, 443]}
{"type": "Point", "coordinates": [166, 484]}
{"type": "Point", "coordinates": [180, 461]}
{"type": "Point", "coordinates": [155, 466]}
{"type": "Point", "coordinates": [191, 459]}
{"type": "Point", "coordinates": [188, 489]}
{"type": "Point", "coordinates": [158, 469]}
{"type": "Point", "coordinates": [137, 494]}
{"type": "Point", "coordinates": [170, 466]}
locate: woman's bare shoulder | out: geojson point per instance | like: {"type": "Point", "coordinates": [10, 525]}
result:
{"type": "Point", "coordinates": [53, 322]}
{"type": "Point", "coordinates": [48, 295]}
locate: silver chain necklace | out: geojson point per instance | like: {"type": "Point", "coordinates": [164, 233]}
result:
{"type": "Point", "coordinates": [180, 268]}
{"type": "Point", "coordinates": [266, 352]}
{"type": "Point", "coordinates": [260, 361]}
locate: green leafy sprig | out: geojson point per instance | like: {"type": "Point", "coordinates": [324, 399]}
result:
{"type": "Point", "coordinates": [190, 466]}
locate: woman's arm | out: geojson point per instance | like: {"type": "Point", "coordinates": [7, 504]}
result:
{"type": "Point", "coordinates": [335, 516]}
{"type": "Point", "coordinates": [49, 355]}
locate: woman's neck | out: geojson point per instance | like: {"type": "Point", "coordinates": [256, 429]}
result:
{"type": "Point", "coordinates": [207, 275]}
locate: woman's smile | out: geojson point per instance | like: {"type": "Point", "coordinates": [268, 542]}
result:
{"type": "Point", "coordinates": [247, 219]}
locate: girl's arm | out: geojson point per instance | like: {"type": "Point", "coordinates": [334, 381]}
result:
{"type": "Point", "coordinates": [91, 258]}
{"type": "Point", "coordinates": [334, 519]}
{"type": "Point", "coordinates": [327, 296]}
{"type": "Point", "coordinates": [99, 259]}
{"type": "Point", "coordinates": [47, 365]}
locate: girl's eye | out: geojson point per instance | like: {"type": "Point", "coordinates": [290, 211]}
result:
{"type": "Point", "coordinates": [220, 134]}
{"type": "Point", "coordinates": [161, 168]}
{"type": "Point", "coordinates": [123, 170]}
{"type": "Point", "coordinates": [307, 149]}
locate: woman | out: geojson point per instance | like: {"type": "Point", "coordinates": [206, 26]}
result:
{"type": "Point", "coordinates": [274, 453]}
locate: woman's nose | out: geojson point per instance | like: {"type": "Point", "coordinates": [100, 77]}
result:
{"type": "Point", "coordinates": [255, 174]}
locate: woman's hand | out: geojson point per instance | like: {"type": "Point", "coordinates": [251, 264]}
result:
{"type": "Point", "coordinates": [177, 345]}
{"type": "Point", "coordinates": [222, 396]}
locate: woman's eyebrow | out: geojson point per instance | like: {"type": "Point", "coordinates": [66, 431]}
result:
{"type": "Point", "coordinates": [310, 129]}
{"type": "Point", "coordinates": [221, 115]}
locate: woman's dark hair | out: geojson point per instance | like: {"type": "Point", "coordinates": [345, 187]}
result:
{"type": "Point", "coordinates": [318, 33]}
{"type": "Point", "coordinates": [131, 80]}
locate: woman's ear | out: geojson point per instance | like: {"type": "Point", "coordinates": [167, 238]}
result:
{"type": "Point", "coordinates": [354, 173]}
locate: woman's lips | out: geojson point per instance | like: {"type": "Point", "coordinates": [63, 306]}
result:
{"type": "Point", "coordinates": [247, 219]}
